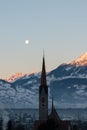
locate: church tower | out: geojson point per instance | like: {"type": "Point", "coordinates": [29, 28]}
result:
{"type": "Point", "coordinates": [43, 95]}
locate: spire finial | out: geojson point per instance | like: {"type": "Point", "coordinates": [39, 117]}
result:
{"type": "Point", "coordinates": [43, 53]}
{"type": "Point", "coordinates": [43, 75]}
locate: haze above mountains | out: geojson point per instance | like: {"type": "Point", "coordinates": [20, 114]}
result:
{"type": "Point", "coordinates": [67, 83]}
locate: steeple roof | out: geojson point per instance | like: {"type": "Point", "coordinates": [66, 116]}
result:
{"type": "Point", "coordinates": [43, 74]}
{"type": "Point", "coordinates": [54, 115]}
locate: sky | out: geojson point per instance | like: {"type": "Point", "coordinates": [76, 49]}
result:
{"type": "Point", "coordinates": [57, 26]}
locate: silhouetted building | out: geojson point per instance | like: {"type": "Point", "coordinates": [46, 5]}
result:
{"type": "Point", "coordinates": [43, 95]}
{"type": "Point", "coordinates": [52, 121]}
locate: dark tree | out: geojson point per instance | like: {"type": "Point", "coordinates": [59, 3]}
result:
{"type": "Point", "coordinates": [20, 127]}
{"type": "Point", "coordinates": [75, 127]}
{"type": "Point", "coordinates": [9, 125]}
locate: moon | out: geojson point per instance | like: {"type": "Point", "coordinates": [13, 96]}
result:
{"type": "Point", "coordinates": [26, 42]}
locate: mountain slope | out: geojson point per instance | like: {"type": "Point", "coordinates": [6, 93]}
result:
{"type": "Point", "coordinates": [81, 61]}
{"type": "Point", "coordinates": [67, 83]}
{"type": "Point", "coordinates": [15, 77]}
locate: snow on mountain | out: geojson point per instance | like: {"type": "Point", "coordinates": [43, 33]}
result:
{"type": "Point", "coordinates": [15, 77]}
{"type": "Point", "coordinates": [68, 84]}
{"type": "Point", "coordinates": [81, 61]}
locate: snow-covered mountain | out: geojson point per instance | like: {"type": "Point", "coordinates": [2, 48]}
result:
{"type": "Point", "coordinates": [68, 84]}
{"type": "Point", "coordinates": [81, 61]}
{"type": "Point", "coordinates": [15, 77]}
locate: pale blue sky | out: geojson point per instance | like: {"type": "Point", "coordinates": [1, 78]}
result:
{"type": "Point", "coordinates": [58, 26]}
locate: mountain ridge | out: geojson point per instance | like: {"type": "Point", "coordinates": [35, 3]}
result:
{"type": "Point", "coordinates": [67, 83]}
{"type": "Point", "coordinates": [81, 61]}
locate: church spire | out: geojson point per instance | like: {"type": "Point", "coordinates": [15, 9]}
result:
{"type": "Point", "coordinates": [54, 114]}
{"type": "Point", "coordinates": [43, 95]}
{"type": "Point", "coordinates": [43, 74]}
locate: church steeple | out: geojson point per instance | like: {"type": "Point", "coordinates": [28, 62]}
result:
{"type": "Point", "coordinates": [43, 95]}
{"type": "Point", "coordinates": [43, 74]}
{"type": "Point", "coordinates": [54, 114]}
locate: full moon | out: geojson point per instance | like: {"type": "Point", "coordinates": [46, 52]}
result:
{"type": "Point", "coordinates": [26, 42]}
